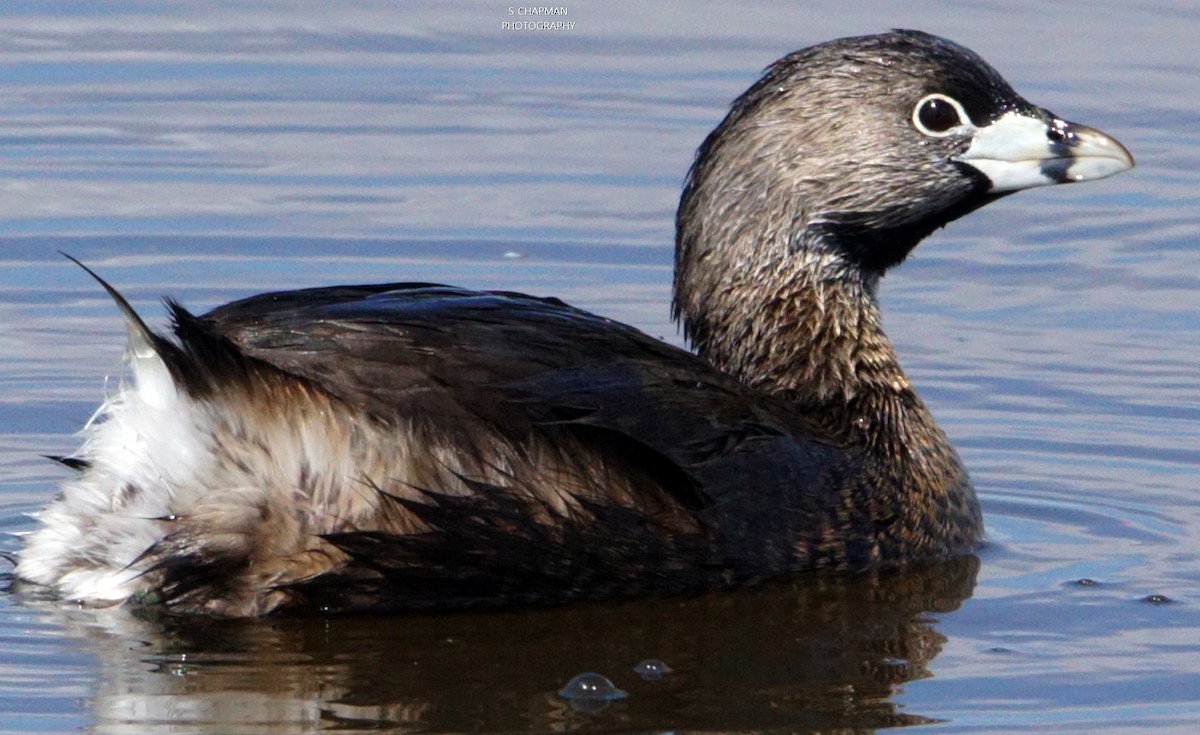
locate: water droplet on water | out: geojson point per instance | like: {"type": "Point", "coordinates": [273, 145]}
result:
{"type": "Point", "coordinates": [652, 669]}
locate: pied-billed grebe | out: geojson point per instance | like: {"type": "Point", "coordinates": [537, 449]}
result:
{"type": "Point", "coordinates": [413, 446]}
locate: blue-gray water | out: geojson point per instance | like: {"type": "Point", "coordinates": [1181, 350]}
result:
{"type": "Point", "coordinates": [212, 150]}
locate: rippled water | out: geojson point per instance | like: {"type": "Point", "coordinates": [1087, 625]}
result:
{"type": "Point", "coordinates": [214, 150]}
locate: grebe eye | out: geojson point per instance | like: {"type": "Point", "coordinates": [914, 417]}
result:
{"type": "Point", "coordinates": [936, 115]}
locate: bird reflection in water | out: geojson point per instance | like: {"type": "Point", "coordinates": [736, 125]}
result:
{"type": "Point", "coordinates": [826, 653]}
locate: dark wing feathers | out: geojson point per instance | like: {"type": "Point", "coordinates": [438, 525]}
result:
{"type": "Point", "coordinates": [741, 468]}
{"type": "Point", "coordinates": [422, 349]}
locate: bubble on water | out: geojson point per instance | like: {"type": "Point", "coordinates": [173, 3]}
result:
{"type": "Point", "coordinates": [591, 693]}
{"type": "Point", "coordinates": [1157, 600]}
{"type": "Point", "coordinates": [652, 669]}
{"type": "Point", "coordinates": [591, 687]}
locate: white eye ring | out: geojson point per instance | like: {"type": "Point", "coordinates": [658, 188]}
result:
{"type": "Point", "coordinates": [936, 121]}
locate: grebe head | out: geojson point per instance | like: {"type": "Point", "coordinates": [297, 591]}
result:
{"type": "Point", "coordinates": [843, 156]}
